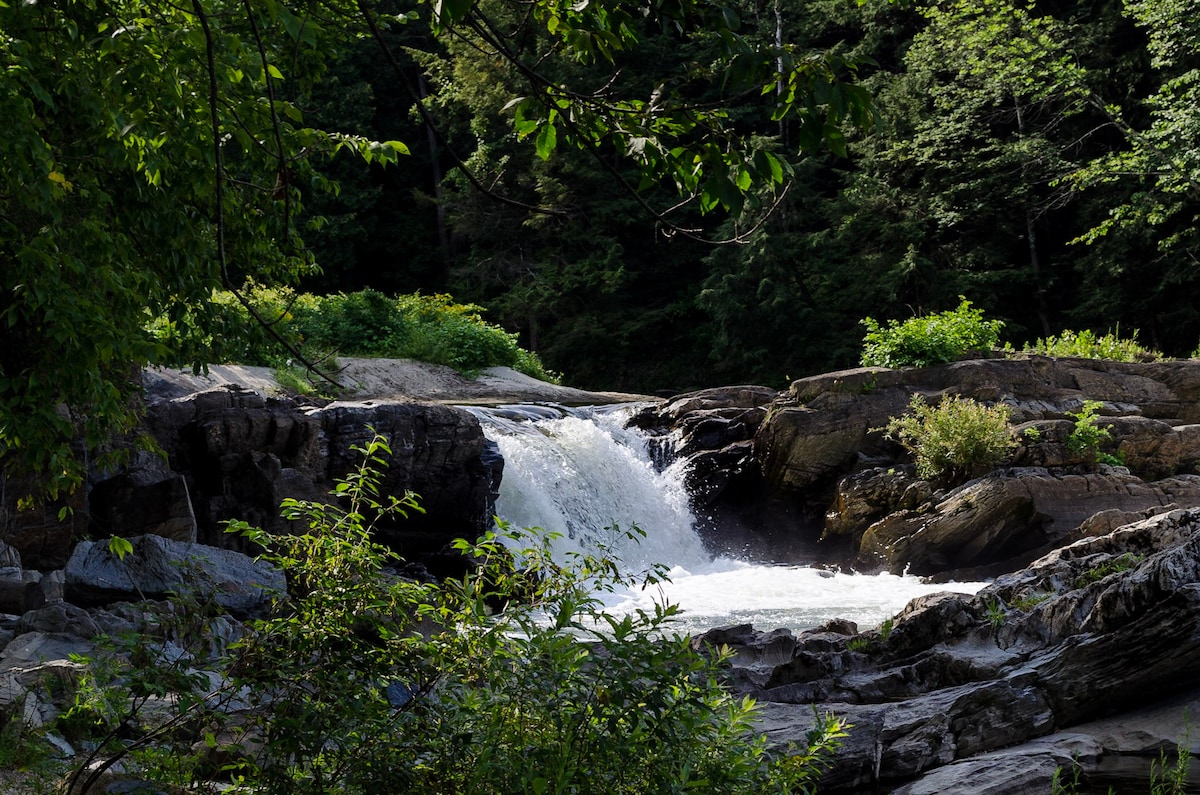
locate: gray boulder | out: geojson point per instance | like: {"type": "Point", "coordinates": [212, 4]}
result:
{"type": "Point", "coordinates": [158, 567]}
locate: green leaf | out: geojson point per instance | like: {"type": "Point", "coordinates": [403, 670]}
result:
{"type": "Point", "coordinates": [547, 140]}
{"type": "Point", "coordinates": [120, 547]}
{"type": "Point", "coordinates": [274, 72]}
{"type": "Point", "coordinates": [449, 12]}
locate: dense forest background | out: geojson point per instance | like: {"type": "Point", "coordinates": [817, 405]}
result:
{"type": "Point", "coordinates": [655, 195]}
{"type": "Point", "coordinates": [1037, 159]}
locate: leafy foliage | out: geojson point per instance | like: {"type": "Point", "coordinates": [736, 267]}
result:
{"type": "Point", "coordinates": [508, 679]}
{"type": "Point", "coordinates": [156, 151]}
{"type": "Point", "coordinates": [1160, 155]}
{"type": "Point", "coordinates": [1088, 345]}
{"type": "Point", "coordinates": [1087, 437]}
{"type": "Point", "coordinates": [927, 340]}
{"type": "Point", "coordinates": [124, 195]}
{"type": "Point", "coordinates": [367, 323]}
{"type": "Point", "coordinates": [955, 440]}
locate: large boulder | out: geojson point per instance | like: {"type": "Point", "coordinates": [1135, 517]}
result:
{"type": "Point", "coordinates": [1010, 514]}
{"type": "Point", "coordinates": [231, 453]}
{"type": "Point", "coordinates": [158, 567]}
{"type": "Point", "coordinates": [438, 452]}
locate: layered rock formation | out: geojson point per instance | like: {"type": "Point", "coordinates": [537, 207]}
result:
{"type": "Point", "coordinates": [231, 453]}
{"type": "Point", "coordinates": [1049, 653]}
{"type": "Point", "coordinates": [809, 474]}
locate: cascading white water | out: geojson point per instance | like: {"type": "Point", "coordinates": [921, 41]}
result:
{"type": "Point", "coordinates": [582, 476]}
{"type": "Point", "coordinates": [579, 473]}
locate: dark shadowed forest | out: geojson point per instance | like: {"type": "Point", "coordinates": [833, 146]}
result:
{"type": "Point", "coordinates": [1036, 158]}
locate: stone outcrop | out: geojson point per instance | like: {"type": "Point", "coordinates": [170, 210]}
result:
{"type": "Point", "coordinates": [824, 424]}
{"type": "Point", "coordinates": [714, 430]}
{"type": "Point", "coordinates": [232, 453]}
{"type": "Point", "coordinates": [1103, 625]}
{"type": "Point", "coordinates": [813, 464]}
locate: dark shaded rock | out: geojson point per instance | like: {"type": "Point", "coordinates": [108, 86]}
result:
{"type": "Point", "coordinates": [123, 506]}
{"type": "Point", "coordinates": [1102, 626]}
{"type": "Point", "coordinates": [439, 452]}
{"type": "Point", "coordinates": [1013, 515]}
{"type": "Point", "coordinates": [233, 454]}
{"type": "Point", "coordinates": [18, 595]}
{"type": "Point", "coordinates": [713, 471]}
{"type": "Point", "coordinates": [31, 649]}
{"type": "Point", "coordinates": [42, 534]}
{"type": "Point", "coordinates": [713, 429]}
{"type": "Point", "coordinates": [61, 618]}
{"type": "Point", "coordinates": [158, 567]}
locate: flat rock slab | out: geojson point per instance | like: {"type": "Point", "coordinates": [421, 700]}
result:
{"type": "Point", "coordinates": [369, 378]}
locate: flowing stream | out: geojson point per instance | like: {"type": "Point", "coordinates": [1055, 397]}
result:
{"type": "Point", "coordinates": [582, 475]}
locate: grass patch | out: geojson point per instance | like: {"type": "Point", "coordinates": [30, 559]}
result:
{"type": "Point", "coordinates": [1087, 344]}
{"type": "Point", "coordinates": [1099, 571]}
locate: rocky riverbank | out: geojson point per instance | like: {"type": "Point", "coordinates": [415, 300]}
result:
{"type": "Point", "coordinates": [1090, 656]}
{"type": "Point", "coordinates": [1082, 651]}
{"type": "Point", "coordinates": [1084, 646]}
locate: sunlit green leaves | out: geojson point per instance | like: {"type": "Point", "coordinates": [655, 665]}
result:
{"type": "Point", "coordinates": [109, 179]}
{"type": "Point", "coordinates": [508, 677]}
{"type": "Point", "coordinates": [1160, 155]}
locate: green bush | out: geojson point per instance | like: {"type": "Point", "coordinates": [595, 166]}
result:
{"type": "Point", "coordinates": [1085, 344]}
{"type": "Point", "coordinates": [429, 328]}
{"type": "Point", "coordinates": [1086, 438]}
{"type": "Point", "coordinates": [955, 440]}
{"type": "Point", "coordinates": [509, 679]}
{"type": "Point", "coordinates": [929, 339]}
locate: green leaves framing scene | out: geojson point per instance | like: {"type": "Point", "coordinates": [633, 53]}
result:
{"type": "Point", "coordinates": [361, 681]}
{"type": "Point", "coordinates": [569, 168]}
{"type": "Point", "coordinates": [155, 152]}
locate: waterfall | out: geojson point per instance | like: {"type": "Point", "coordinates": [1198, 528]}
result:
{"type": "Point", "coordinates": [579, 473]}
{"type": "Point", "coordinates": [583, 475]}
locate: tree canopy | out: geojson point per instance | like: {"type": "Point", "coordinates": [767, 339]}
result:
{"type": "Point", "coordinates": [569, 166]}
{"type": "Point", "coordinates": [156, 151]}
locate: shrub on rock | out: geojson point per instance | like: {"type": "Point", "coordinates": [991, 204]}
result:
{"type": "Point", "coordinates": [955, 440]}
